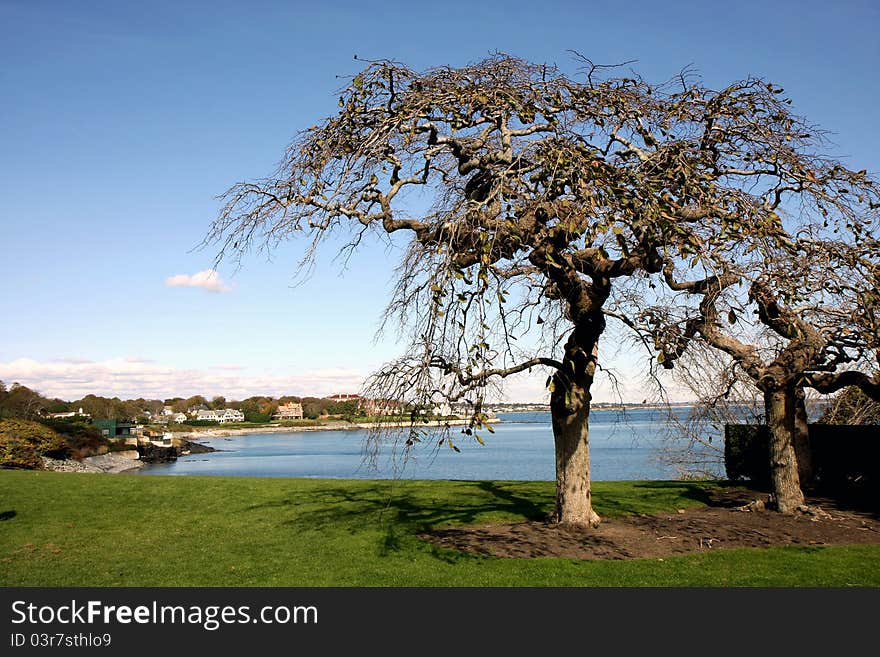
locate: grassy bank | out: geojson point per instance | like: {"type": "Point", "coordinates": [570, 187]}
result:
{"type": "Point", "coordinates": [59, 529]}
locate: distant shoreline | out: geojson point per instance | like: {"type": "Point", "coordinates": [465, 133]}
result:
{"type": "Point", "coordinates": [330, 426]}
{"type": "Point", "coordinates": [341, 425]}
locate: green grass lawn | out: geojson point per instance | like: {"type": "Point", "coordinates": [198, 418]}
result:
{"type": "Point", "coordinates": [64, 529]}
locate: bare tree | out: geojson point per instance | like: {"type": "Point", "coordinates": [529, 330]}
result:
{"type": "Point", "coordinates": [546, 191]}
{"type": "Point", "coordinates": [19, 401]}
{"type": "Point", "coordinates": [722, 395]}
{"type": "Point", "coordinates": [793, 303]}
{"type": "Point", "coordinates": [804, 315]}
{"type": "Point", "coordinates": [851, 406]}
{"type": "Point", "coordinates": [859, 335]}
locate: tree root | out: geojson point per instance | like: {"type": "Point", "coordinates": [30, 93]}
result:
{"type": "Point", "coordinates": [755, 505]}
{"type": "Point", "coordinates": [814, 513]}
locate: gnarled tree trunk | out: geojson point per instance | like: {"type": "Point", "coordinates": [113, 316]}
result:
{"type": "Point", "coordinates": [779, 408]}
{"type": "Point", "coordinates": [802, 441]}
{"type": "Point", "coordinates": [570, 411]}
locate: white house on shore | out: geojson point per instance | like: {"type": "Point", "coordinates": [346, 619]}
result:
{"type": "Point", "coordinates": [443, 409]}
{"type": "Point", "coordinates": [62, 416]}
{"type": "Point", "coordinates": [222, 416]}
{"type": "Point", "coordinates": [165, 418]}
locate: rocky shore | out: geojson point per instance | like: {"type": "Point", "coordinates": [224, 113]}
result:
{"type": "Point", "coordinates": [158, 454]}
{"type": "Point", "coordinates": [112, 463]}
{"type": "Point", "coordinates": [126, 461]}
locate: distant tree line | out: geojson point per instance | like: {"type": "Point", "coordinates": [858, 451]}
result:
{"type": "Point", "coordinates": [18, 401]}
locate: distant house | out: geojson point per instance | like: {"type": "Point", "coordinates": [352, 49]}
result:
{"type": "Point", "coordinates": [165, 418]}
{"type": "Point", "coordinates": [167, 440]}
{"type": "Point", "coordinates": [232, 415]}
{"type": "Point", "coordinates": [70, 414]}
{"type": "Point", "coordinates": [344, 398]}
{"type": "Point", "coordinates": [164, 439]}
{"type": "Point", "coordinates": [222, 416]}
{"type": "Point", "coordinates": [443, 410]}
{"type": "Point", "coordinates": [192, 411]}
{"type": "Point", "coordinates": [382, 406]}
{"type": "Point", "coordinates": [115, 428]}
{"type": "Point", "coordinates": [291, 411]}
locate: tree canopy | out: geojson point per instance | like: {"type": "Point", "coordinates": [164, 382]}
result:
{"type": "Point", "coordinates": [546, 191]}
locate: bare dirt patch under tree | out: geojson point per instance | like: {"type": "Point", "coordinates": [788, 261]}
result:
{"type": "Point", "coordinates": [722, 524]}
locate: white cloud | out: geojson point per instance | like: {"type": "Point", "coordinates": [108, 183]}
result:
{"type": "Point", "coordinates": [137, 359]}
{"type": "Point", "coordinates": [207, 279]}
{"type": "Point", "coordinates": [131, 378]}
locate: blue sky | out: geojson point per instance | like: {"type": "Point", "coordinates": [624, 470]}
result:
{"type": "Point", "coordinates": [120, 123]}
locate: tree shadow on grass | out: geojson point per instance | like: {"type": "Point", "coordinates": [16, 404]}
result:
{"type": "Point", "coordinates": [411, 508]}
{"type": "Point", "coordinates": [399, 510]}
{"type": "Point", "coordinates": [530, 508]}
{"type": "Point", "coordinates": [648, 495]}
{"type": "Point", "coordinates": [698, 491]}
{"type": "Point", "coordinates": [8, 515]}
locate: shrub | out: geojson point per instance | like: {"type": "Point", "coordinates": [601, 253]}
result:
{"type": "Point", "coordinates": [23, 442]}
{"type": "Point", "coordinates": [82, 439]}
{"type": "Point", "coordinates": [73, 428]}
{"type": "Point", "coordinates": [746, 456]}
{"type": "Point", "coordinates": [16, 453]}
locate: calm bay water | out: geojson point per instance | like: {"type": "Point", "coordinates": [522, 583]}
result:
{"type": "Point", "coordinates": [622, 446]}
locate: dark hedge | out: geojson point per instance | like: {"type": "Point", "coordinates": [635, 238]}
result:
{"type": "Point", "coordinates": [846, 458]}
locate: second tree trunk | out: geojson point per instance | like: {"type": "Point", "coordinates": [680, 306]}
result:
{"type": "Point", "coordinates": [779, 407]}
